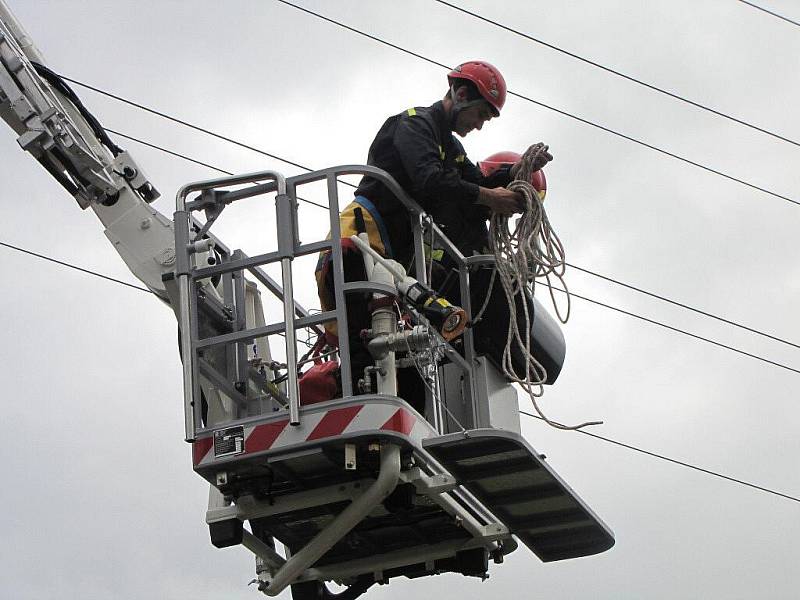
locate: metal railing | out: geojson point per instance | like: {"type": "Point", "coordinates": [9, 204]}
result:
{"type": "Point", "coordinates": [192, 238]}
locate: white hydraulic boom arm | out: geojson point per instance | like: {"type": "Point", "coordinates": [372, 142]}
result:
{"type": "Point", "coordinates": [62, 135]}
{"type": "Point", "coordinates": [54, 127]}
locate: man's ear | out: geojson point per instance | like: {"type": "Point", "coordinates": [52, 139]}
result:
{"type": "Point", "coordinates": [461, 93]}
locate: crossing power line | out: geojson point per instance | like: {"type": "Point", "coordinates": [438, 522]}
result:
{"type": "Point", "coordinates": [682, 305]}
{"type": "Point", "coordinates": [199, 162]}
{"type": "Point", "coordinates": [769, 12]}
{"type": "Point", "coordinates": [552, 108]}
{"type": "Point", "coordinates": [630, 78]}
{"type": "Point", "coordinates": [74, 267]}
{"type": "Point", "coordinates": [187, 124]}
{"type": "Point", "coordinates": [675, 461]}
{"type": "Point", "coordinates": [590, 434]}
{"type": "Point", "coordinates": [246, 146]}
{"type": "Point", "coordinates": [681, 331]}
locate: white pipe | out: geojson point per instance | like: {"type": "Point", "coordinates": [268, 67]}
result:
{"type": "Point", "coordinates": [263, 550]}
{"type": "Point", "coordinates": [397, 271]}
{"type": "Point", "coordinates": [342, 524]}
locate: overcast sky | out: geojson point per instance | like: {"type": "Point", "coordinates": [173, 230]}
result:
{"type": "Point", "coordinates": [99, 499]}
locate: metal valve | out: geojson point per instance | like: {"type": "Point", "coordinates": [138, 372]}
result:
{"type": "Point", "coordinates": [415, 339]}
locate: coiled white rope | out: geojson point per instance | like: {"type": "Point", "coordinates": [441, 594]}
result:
{"type": "Point", "coordinates": [531, 250]}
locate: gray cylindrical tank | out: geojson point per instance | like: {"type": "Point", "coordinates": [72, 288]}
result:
{"type": "Point", "coordinates": [548, 345]}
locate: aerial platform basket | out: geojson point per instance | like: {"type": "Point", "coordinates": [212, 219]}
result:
{"type": "Point", "coordinates": [362, 488]}
{"type": "Point", "coordinates": [358, 489]}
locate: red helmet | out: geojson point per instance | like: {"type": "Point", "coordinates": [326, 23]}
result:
{"type": "Point", "coordinates": [487, 79]}
{"type": "Point", "coordinates": [500, 159]}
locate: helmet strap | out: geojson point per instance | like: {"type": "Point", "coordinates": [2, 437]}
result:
{"type": "Point", "coordinates": [459, 106]}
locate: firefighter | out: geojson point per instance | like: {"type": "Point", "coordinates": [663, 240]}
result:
{"type": "Point", "coordinates": [419, 149]}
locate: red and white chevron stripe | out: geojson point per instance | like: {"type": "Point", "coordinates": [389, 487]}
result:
{"type": "Point", "coordinates": [374, 415]}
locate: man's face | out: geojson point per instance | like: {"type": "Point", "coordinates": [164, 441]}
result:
{"type": "Point", "coordinates": [472, 118]}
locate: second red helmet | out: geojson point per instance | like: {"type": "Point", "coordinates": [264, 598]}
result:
{"type": "Point", "coordinates": [501, 159]}
{"type": "Point", "coordinates": [487, 79]}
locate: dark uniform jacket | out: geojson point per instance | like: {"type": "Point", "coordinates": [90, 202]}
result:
{"type": "Point", "coordinates": [419, 150]}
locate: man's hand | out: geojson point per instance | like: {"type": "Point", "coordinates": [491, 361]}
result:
{"type": "Point", "coordinates": [536, 155]}
{"type": "Point", "coordinates": [501, 200]}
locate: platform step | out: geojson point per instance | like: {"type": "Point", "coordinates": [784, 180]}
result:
{"type": "Point", "coordinates": [506, 474]}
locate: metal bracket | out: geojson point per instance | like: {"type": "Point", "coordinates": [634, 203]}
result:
{"type": "Point", "coordinates": [215, 515]}
{"type": "Point", "coordinates": [272, 559]}
{"type": "Point", "coordinates": [494, 531]}
{"type": "Point", "coordinates": [248, 507]}
{"type": "Point", "coordinates": [349, 457]}
{"type": "Point", "coordinates": [31, 138]}
{"type": "Point", "coordinates": [126, 167]}
{"type": "Point", "coordinates": [342, 524]}
{"type": "Point", "coordinates": [429, 484]}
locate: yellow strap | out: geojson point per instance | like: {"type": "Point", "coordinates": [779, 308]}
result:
{"type": "Point", "coordinates": [437, 254]}
{"type": "Point", "coordinates": [439, 301]}
{"type": "Point", "coordinates": [412, 112]}
{"type": "Point", "coordinates": [441, 153]}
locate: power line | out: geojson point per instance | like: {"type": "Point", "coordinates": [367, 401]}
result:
{"type": "Point", "coordinates": [683, 331]}
{"type": "Point", "coordinates": [197, 162]}
{"type": "Point", "coordinates": [682, 305]}
{"type": "Point", "coordinates": [548, 107]}
{"type": "Point", "coordinates": [619, 74]}
{"type": "Point", "coordinates": [597, 302]}
{"type": "Point", "coordinates": [95, 273]}
{"type": "Point", "coordinates": [170, 152]}
{"type": "Point", "coordinates": [182, 122]}
{"type": "Point", "coordinates": [675, 461]}
{"type": "Point", "coordinates": [769, 12]}
{"type": "Point", "coordinates": [655, 148]}
{"type": "Point", "coordinates": [70, 266]}
{"type": "Point", "coordinates": [168, 117]}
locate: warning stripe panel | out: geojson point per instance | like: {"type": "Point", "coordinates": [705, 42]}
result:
{"type": "Point", "coordinates": [200, 448]}
{"type": "Point", "coordinates": [297, 434]}
{"type": "Point", "coordinates": [334, 422]}
{"type": "Point", "coordinates": [371, 417]}
{"type": "Point", "coordinates": [263, 436]}
{"type": "Point", "coordinates": [375, 416]}
{"type": "Point", "coordinates": [401, 421]}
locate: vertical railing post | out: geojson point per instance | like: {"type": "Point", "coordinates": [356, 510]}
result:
{"type": "Point", "coordinates": [240, 312]}
{"type": "Point", "coordinates": [182, 273]}
{"type": "Point", "coordinates": [286, 216]}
